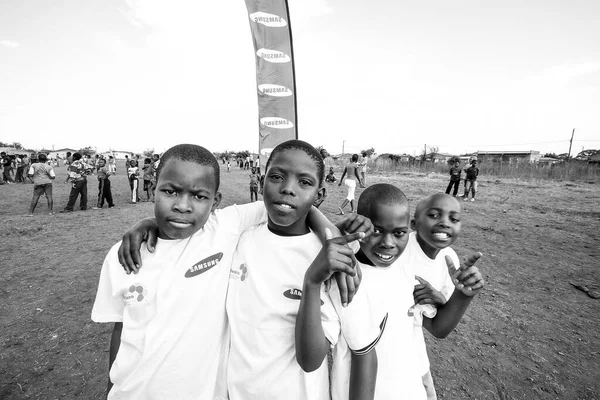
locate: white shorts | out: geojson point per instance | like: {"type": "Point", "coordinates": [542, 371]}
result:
{"type": "Point", "coordinates": [351, 183]}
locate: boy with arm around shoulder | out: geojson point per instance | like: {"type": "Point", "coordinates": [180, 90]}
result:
{"type": "Point", "coordinates": [266, 286]}
{"type": "Point", "coordinates": [170, 321]}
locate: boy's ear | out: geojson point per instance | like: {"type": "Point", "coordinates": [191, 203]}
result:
{"type": "Point", "coordinates": [216, 201]}
{"type": "Point", "coordinates": [412, 224]}
{"type": "Point", "coordinates": [321, 194]}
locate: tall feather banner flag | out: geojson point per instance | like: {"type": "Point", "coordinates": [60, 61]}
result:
{"type": "Point", "coordinates": [275, 76]}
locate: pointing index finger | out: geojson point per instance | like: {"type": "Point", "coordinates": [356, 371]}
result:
{"type": "Point", "coordinates": [348, 238]}
{"type": "Point", "coordinates": [473, 259]}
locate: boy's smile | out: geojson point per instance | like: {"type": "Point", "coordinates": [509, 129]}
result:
{"type": "Point", "coordinates": [437, 223]}
{"type": "Point", "coordinates": [290, 189]}
{"type": "Point", "coordinates": [389, 240]}
{"type": "Point", "coordinates": [185, 197]}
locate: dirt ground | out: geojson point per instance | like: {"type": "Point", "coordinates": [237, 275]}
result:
{"type": "Point", "coordinates": [531, 334]}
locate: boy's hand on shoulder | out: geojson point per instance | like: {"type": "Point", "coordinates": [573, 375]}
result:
{"type": "Point", "coordinates": [335, 256]}
{"type": "Point", "coordinates": [467, 279]}
{"type": "Point", "coordinates": [424, 293]}
{"type": "Point", "coordinates": [129, 252]}
{"type": "Point", "coordinates": [354, 223]}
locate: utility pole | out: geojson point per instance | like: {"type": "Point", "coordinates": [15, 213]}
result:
{"type": "Point", "coordinates": [570, 144]}
{"type": "Point", "coordinates": [343, 146]}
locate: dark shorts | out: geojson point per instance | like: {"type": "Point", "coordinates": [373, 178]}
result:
{"type": "Point", "coordinates": [147, 184]}
{"type": "Point", "coordinates": [253, 189]}
{"type": "Point", "coordinates": [45, 188]}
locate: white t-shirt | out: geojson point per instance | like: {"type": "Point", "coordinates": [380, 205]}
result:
{"type": "Point", "coordinates": [362, 325]}
{"type": "Point", "coordinates": [264, 294]}
{"type": "Point", "coordinates": [389, 292]}
{"type": "Point", "coordinates": [175, 333]}
{"type": "Point", "coordinates": [436, 273]}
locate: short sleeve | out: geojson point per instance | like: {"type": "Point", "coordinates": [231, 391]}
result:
{"type": "Point", "coordinates": [245, 216]}
{"type": "Point", "coordinates": [108, 307]}
{"type": "Point", "coordinates": [51, 173]}
{"type": "Point", "coordinates": [330, 320]}
{"type": "Point", "coordinates": [362, 321]}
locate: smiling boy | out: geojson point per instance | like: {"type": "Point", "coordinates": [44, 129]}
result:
{"type": "Point", "coordinates": [437, 225]}
{"type": "Point", "coordinates": [161, 347]}
{"type": "Point", "coordinates": [265, 286]}
{"type": "Point", "coordinates": [389, 269]}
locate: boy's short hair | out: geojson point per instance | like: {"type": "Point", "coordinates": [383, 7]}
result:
{"type": "Point", "coordinates": [192, 153]}
{"type": "Point", "coordinates": [42, 157]}
{"type": "Point", "coordinates": [379, 194]}
{"type": "Point", "coordinates": [354, 157]}
{"type": "Point", "coordinates": [147, 160]}
{"type": "Point", "coordinates": [305, 147]}
{"type": "Point", "coordinates": [76, 156]}
{"type": "Point", "coordinates": [423, 203]}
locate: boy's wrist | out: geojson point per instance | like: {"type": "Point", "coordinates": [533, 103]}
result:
{"type": "Point", "coordinates": [309, 286]}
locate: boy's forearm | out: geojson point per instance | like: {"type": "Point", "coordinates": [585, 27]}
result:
{"type": "Point", "coordinates": [318, 222]}
{"type": "Point", "coordinates": [448, 316]}
{"type": "Point", "coordinates": [363, 376]}
{"type": "Point", "coordinates": [311, 344]}
{"type": "Point", "coordinates": [115, 343]}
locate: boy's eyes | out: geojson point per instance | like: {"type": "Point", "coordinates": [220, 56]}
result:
{"type": "Point", "coordinates": [396, 233]}
{"type": "Point", "coordinates": [172, 192]}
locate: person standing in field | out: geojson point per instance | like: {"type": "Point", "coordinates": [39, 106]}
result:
{"type": "Point", "coordinates": [42, 175]}
{"type": "Point", "coordinates": [155, 162]}
{"type": "Point", "coordinates": [6, 167]}
{"type": "Point", "coordinates": [78, 171]}
{"type": "Point", "coordinates": [254, 182]}
{"type": "Point", "coordinates": [104, 192]}
{"type": "Point", "coordinates": [112, 165]}
{"type": "Point", "coordinates": [363, 168]}
{"type": "Point", "coordinates": [147, 176]}
{"type": "Point", "coordinates": [455, 173]}
{"type": "Point", "coordinates": [471, 180]}
{"type": "Point", "coordinates": [257, 165]}
{"type": "Point", "coordinates": [19, 177]}
{"type": "Point", "coordinates": [351, 171]}
{"type": "Point", "coordinates": [26, 165]}
{"type": "Point", "coordinates": [133, 172]}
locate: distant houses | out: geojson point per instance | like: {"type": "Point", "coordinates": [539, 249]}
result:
{"type": "Point", "coordinates": [117, 154]}
{"type": "Point", "coordinates": [58, 154]}
{"type": "Point", "coordinates": [510, 157]}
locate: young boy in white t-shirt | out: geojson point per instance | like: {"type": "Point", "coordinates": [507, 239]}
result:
{"type": "Point", "coordinates": [387, 285]}
{"type": "Point", "coordinates": [170, 337]}
{"type": "Point", "coordinates": [265, 286]}
{"type": "Point", "coordinates": [437, 226]}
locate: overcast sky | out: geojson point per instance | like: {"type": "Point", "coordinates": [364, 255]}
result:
{"type": "Point", "coordinates": [393, 75]}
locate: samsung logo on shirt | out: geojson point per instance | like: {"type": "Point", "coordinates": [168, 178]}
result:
{"type": "Point", "coordinates": [204, 265]}
{"type": "Point", "coordinates": [295, 294]}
